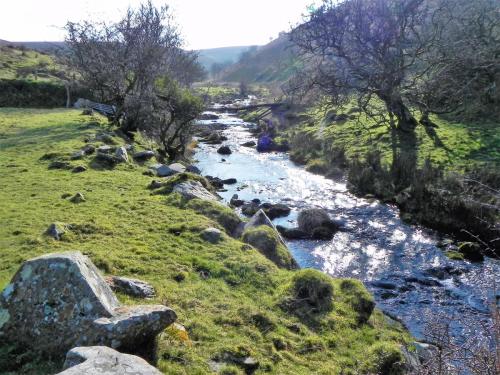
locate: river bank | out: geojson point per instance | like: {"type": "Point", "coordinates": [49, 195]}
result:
{"type": "Point", "coordinates": [449, 186]}
{"type": "Point", "coordinates": [401, 264]}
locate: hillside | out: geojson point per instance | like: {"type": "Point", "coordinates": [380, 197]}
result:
{"type": "Point", "coordinates": [208, 57]}
{"type": "Point", "coordinates": [228, 296]}
{"type": "Point", "coordinates": [274, 62]}
{"type": "Point", "coordinates": [27, 64]}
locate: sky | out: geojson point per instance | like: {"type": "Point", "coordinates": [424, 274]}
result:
{"type": "Point", "coordinates": [203, 23]}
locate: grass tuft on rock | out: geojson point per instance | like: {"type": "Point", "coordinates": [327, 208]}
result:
{"type": "Point", "coordinates": [266, 240]}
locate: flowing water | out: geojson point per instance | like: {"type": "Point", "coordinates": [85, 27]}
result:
{"type": "Point", "coordinates": [400, 264]}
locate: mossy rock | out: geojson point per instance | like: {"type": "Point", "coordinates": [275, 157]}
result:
{"type": "Point", "coordinates": [386, 359]}
{"type": "Point", "coordinates": [356, 295]}
{"type": "Point", "coordinates": [167, 185]}
{"type": "Point", "coordinates": [310, 293]}
{"type": "Point", "coordinates": [266, 240]}
{"type": "Point", "coordinates": [454, 255]}
{"type": "Point", "coordinates": [471, 251]}
{"type": "Point", "coordinates": [223, 215]}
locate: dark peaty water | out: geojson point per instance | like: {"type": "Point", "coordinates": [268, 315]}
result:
{"type": "Point", "coordinates": [400, 264]}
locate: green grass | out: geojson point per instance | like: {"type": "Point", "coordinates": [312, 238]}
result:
{"type": "Point", "coordinates": [226, 295]}
{"type": "Point", "coordinates": [17, 63]}
{"type": "Point", "coordinates": [452, 145]}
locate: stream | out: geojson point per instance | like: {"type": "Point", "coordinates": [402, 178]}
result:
{"type": "Point", "coordinates": [409, 276]}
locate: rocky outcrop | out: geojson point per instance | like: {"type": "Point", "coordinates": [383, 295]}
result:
{"type": "Point", "coordinates": [177, 167]}
{"type": "Point", "coordinates": [58, 301]}
{"type": "Point", "coordinates": [131, 287]}
{"type": "Point", "coordinates": [101, 360]}
{"type": "Point", "coordinates": [193, 189]}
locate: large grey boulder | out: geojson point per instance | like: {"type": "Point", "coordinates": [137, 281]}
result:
{"type": "Point", "coordinates": [194, 189]}
{"type": "Point", "coordinates": [59, 301]}
{"type": "Point", "coordinates": [101, 360]}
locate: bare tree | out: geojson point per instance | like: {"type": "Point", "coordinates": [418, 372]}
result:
{"type": "Point", "coordinates": [123, 60]}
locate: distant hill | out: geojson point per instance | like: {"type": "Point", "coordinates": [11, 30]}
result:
{"type": "Point", "coordinates": [37, 46]}
{"type": "Point", "coordinates": [208, 57]}
{"type": "Point", "coordinates": [274, 62]}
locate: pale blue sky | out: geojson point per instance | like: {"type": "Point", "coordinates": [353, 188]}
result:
{"type": "Point", "coordinates": [204, 23]}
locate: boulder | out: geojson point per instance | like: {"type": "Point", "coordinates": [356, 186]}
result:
{"type": "Point", "coordinates": [79, 169]}
{"type": "Point", "coordinates": [144, 155]}
{"type": "Point", "coordinates": [77, 155]}
{"type": "Point", "coordinates": [101, 360]}
{"type": "Point", "coordinates": [249, 144]}
{"type": "Point", "coordinates": [121, 154]}
{"type": "Point", "coordinates": [193, 169]}
{"type": "Point", "coordinates": [235, 201]}
{"type": "Point", "coordinates": [60, 164]}
{"type": "Point", "coordinates": [209, 116]}
{"type": "Point", "coordinates": [105, 149]}
{"type": "Point", "coordinates": [275, 210]}
{"type": "Point", "coordinates": [292, 233]}
{"type": "Point", "coordinates": [177, 167]}
{"type": "Point", "coordinates": [163, 170]}
{"type": "Point", "coordinates": [224, 150]}
{"type": "Point", "coordinates": [59, 301]}
{"type": "Point", "coordinates": [56, 231]}
{"type": "Point", "coordinates": [229, 181]}
{"type": "Point", "coordinates": [249, 209]}
{"type": "Point", "coordinates": [260, 218]}
{"type": "Point", "coordinates": [131, 287]}
{"type": "Point", "coordinates": [78, 198]}
{"type": "Point", "coordinates": [194, 189]}
{"type": "Point", "coordinates": [471, 251]}
{"type": "Point", "coordinates": [212, 235]}
{"type": "Point", "coordinates": [317, 223]}
{"type": "Point", "coordinates": [106, 159]}
{"type": "Point", "coordinates": [89, 149]}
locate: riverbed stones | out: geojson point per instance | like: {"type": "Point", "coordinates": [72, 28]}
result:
{"type": "Point", "coordinates": [59, 301]}
{"type": "Point", "coordinates": [212, 235]}
{"type": "Point", "coordinates": [193, 189]}
{"type": "Point", "coordinates": [224, 150]}
{"type": "Point", "coordinates": [131, 287]}
{"type": "Point", "coordinates": [102, 360]}
{"type": "Point", "coordinates": [121, 154]}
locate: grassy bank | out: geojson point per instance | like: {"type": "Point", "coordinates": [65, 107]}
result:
{"type": "Point", "coordinates": [229, 297]}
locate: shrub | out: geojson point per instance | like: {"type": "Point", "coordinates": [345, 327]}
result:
{"type": "Point", "coordinates": [386, 359]}
{"type": "Point", "coordinates": [266, 240]}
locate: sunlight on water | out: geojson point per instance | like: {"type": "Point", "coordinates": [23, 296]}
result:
{"type": "Point", "coordinates": [374, 245]}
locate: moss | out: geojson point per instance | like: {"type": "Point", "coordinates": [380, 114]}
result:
{"type": "Point", "coordinates": [355, 293]}
{"type": "Point", "coordinates": [266, 240]}
{"type": "Point", "coordinates": [454, 255]}
{"type": "Point", "coordinates": [386, 359]}
{"type": "Point", "coordinates": [309, 293]}
{"type": "Point", "coordinates": [225, 295]}
{"type": "Point", "coordinates": [223, 215]}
